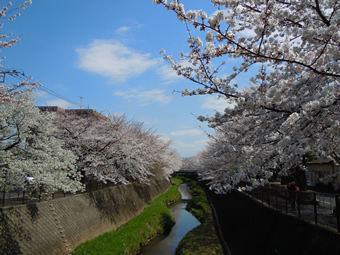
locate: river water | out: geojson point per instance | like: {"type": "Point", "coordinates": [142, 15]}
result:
{"type": "Point", "coordinates": [185, 221]}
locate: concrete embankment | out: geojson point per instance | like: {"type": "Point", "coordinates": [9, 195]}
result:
{"type": "Point", "coordinates": [60, 225]}
{"type": "Point", "coordinates": [249, 227]}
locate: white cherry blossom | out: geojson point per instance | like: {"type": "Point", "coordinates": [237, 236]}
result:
{"type": "Point", "coordinates": [291, 107]}
{"type": "Point", "coordinates": [28, 148]}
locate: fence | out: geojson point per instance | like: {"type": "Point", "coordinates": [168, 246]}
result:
{"type": "Point", "coordinates": [326, 200]}
{"type": "Point", "coordinates": [321, 208]}
{"type": "Point", "coordinates": [28, 195]}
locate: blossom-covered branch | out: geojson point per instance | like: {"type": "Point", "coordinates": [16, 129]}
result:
{"type": "Point", "coordinates": [291, 107]}
{"type": "Point", "coordinates": [12, 82]}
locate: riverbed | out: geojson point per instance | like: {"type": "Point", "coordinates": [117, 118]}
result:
{"type": "Point", "coordinates": [185, 221]}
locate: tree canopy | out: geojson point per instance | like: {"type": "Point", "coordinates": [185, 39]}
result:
{"type": "Point", "coordinates": [28, 148]}
{"type": "Point", "coordinates": [290, 106]}
{"type": "Point", "coordinates": [114, 149]}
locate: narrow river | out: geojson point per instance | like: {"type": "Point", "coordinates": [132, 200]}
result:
{"type": "Point", "coordinates": [166, 245]}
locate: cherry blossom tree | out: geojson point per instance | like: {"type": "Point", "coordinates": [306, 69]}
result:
{"type": "Point", "coordinates": [193, 163]}
{"type": "Point", "coordinates": [167, 159]}
{"type": "Point", "coordinates": [150, 151]}
{"type": "Point", "coordinates": [111, 148]}
{"type": "Point", "coordinates": [28, 148]}
{"type": "Point", "coordinates": [27, 145]}
{"type": "Point", "coordinates": [290, 106]}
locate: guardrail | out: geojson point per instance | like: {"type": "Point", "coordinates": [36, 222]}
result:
{"type": "Point", "coordinates": [307, 205]}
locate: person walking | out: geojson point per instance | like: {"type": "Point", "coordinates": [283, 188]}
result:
{"type": "Point", "coordinates": [292, 193]}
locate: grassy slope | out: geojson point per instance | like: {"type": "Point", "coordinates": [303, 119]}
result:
{"type": "Point", "coordinates": [129, 238]}
{"type": "Point", "coordinates": [203, 239]}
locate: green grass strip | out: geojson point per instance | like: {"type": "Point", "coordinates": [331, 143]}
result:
{"type": "Point", "coordinates": [203, 239]}
{"type": "Point", "coordinates": [129, 238]}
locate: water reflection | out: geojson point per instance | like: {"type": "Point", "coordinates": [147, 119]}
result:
{"type": "Point", "coordinates": [185, 191]}
{"type": "Point", "coordinates": [166, 245]}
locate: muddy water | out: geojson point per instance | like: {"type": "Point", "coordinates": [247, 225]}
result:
{"type": "Point", "coordinates": [167, 244]}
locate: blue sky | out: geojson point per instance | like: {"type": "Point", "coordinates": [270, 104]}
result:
{"type": "Point", "coordinates": [105, 54]}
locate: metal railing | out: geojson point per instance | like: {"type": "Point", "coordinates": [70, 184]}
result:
{"type": "Point", "coordinates": [320, 208]}
{"type": "Point", "coordinates": [326, 200]}
{"type": "Point", "coordinates": [24, 196]}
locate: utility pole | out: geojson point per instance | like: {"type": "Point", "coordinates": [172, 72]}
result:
{"type": "Point", "coordinates": [81, 102]}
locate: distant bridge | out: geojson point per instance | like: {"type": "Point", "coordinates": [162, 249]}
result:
{"type": "Point", "coordinates": [186, 172]}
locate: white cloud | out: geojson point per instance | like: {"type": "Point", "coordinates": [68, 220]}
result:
{"type": "Point", "coordinates": [146, 97]}
{"type": "Point", "coordinates": [123, 30]}
{"type": "Point", "coordinates": [60, 103]}
{"type": "Point", "coordinates": [193, 145]}
{"type": "Point", "coordinates": [186, 132]}
{"type": "Point", "coordinates": [189, 148]}
{"type": "Point", "coordinates": [167, 74]}
{"type": "Point", "coordinates": [217, 104]}
{"type": "Point", "coordinates": [114, 60]}
{"type": "Point", "coordinates": [247, 33]}
{"type": "Point", "coordinates": [41, 94]}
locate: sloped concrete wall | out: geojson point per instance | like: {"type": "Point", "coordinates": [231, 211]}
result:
{"type": "Point", "coordinates": [59, 226]}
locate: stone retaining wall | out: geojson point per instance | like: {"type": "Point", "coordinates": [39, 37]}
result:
{"type": "Point", "coordinates": [59, 226]}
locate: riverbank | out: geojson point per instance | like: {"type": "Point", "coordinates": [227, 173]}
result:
{"type": "Point", "coordinates": [60, 225]}
{"type": "Point", "coordinates": [128, 239]}
{"type": "Point", "coordinates": [203, 239]}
